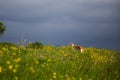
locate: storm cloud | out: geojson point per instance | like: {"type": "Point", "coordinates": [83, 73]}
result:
{"type": "Point", "coordinates": [58, 22]}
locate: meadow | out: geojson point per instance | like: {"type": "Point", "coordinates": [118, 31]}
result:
{"type": "Point", "coordinates": [58, 63]}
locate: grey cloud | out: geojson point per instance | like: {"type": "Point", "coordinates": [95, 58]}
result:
{"type": "Point", "coordinates": [32, 11]}
{"type": "Point", "coordinates": [62, 20]}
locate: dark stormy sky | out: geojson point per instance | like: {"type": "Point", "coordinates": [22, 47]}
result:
{"type": "Point", "coordinates": [58, 22]}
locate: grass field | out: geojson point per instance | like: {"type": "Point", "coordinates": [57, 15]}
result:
{"type": "Point", "coordinates": [58, 63]}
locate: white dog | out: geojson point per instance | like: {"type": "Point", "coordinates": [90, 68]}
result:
{"type": "Point", "coordinates": [76, 47]}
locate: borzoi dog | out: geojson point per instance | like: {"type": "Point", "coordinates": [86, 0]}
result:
{"type": "Point", "coordinates": [76, 47]}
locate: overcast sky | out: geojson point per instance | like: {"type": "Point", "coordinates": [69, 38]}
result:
{"type": "Point", "coordinates": [58, 22]}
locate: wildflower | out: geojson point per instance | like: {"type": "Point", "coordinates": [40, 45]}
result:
{"type": "Point", "coordinates": [17, 60]}
{"type": "Point", "coordinates": [36, 61]}
{"type": "Point", "coordinates": [54, 75]}
{"type": "Point", "coordinates": [65, 55]}
{"type": "Point", "coordinates": [10, 67]}
{"type": "Point", "coordinates": [32, 70]}
{"type": "Point", "coordinates": [14, 54]}
{"type": "Point", "coordinates": [14, 48]}
{"type": "Point", "coordinates": [43, 65]}
{"type": "Point", "coordinates": [16, 78]}
{"type": "Point", "coordinates": [22, 47]}
{"type": "Point", "coordinates": [0, 69]}
{"type": "Point", "coordinates": [8, 62]}
{"type": "Point", "coordinates": [4, 49]}
{"type": "Point", "coordinates": [49, 60]}
{"type": "Point", "coordinates": [14, 70]}
{"type": "Point", "coordinates": [62, 52]}
{"type": "Point", "coordinates": [80, 78]}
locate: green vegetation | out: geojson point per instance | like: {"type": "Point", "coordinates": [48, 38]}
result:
{"type": "Point", "coordinates": [58, 63]}
{"type": "Point", "coordinates": [36, 45]}
{"type": "Point", "coordinates": [2, 28]}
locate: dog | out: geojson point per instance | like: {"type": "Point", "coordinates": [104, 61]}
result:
{"type": "Point", "coordinates": [76, 47]}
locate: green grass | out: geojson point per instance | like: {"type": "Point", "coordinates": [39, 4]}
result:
{"type": "Point", "coordinates": [58, 63]}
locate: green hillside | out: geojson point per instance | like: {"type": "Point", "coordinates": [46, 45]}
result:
{"type": "Point", "coordinates": [58, 63]}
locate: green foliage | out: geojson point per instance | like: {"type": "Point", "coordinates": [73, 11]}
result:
{"type": "Point", "coordinates": [2, 28]}
{"type": "Point", "coordinates": [7, 44]}
{"type": "Point", "coordinates": [58, 63]}
{"type": "Point", "coordinates": [36, 45]}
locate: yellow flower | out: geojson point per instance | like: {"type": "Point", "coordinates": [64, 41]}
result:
{"type": "Point", "coordinates": [54, 75]}
{"type": "Point", "coordinates": [16, 78]}
{"type": "Point", "coordinates": [36, 61]}
{"type": "Point", "coordinates": [10, 67]}
{"type": "Point", "coordinates": [14, 48]}
{"type": "Point", "coordinates": [22, 47]}
{"type": "Point", "coordinates": [65, 55]}
{"type": "Point", "coordinates": [43, 65]}
{"type": "Point", "coordinates": [4, 49]}
{"type": "Point", "coordinates": [80, 78]}
{"type": "Point", "coordinates": [49, 60]}
{"type": "Point", "coordinates": [17, 60]}
{"type": "Point", "coordinates": [62, 52]}
{"type": "Point", "coordinates": [14, 54]}
{"type": "Point", "coordinates": [14, 70]}
{"type": "Point", "coordinates": [8, 62]}
{"type": "Point", "coordinates": [0, 69]}
{"type": "Point", "coordinates": [32, 70]}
